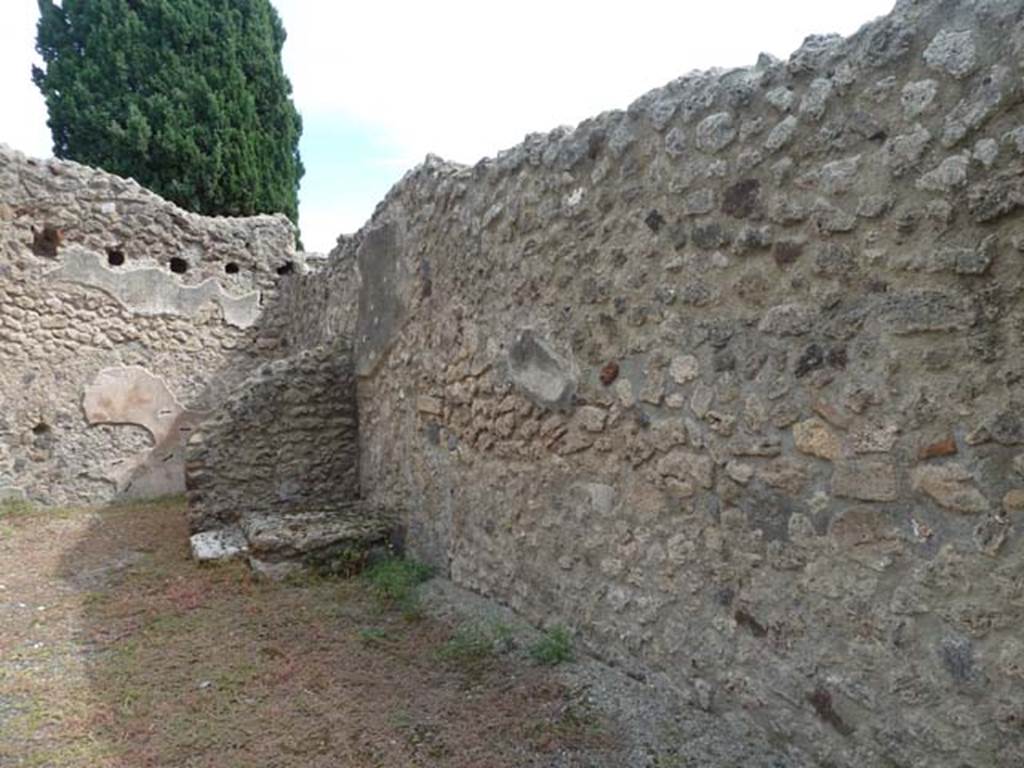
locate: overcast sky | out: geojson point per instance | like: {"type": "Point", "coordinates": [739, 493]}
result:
{"type": "Point", "coordinates": [382, 83]}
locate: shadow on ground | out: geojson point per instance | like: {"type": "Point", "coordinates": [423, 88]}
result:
{"type": "Point", "coordinates": [117, 650]}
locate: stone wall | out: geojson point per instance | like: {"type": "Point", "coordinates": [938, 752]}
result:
{"type": "Point", "coordinates": [730, 382]}
{"type": "Point", "coordinates": [284, 441]}
{"type": "Point", "coordinates": [123, 321]}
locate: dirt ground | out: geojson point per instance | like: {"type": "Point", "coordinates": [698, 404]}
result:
{"type": "Point", "coordinates": [117, 650]}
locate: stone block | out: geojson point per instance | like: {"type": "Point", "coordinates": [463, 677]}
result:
{"type": "Point", "coordinates": [951, 486]}
{"type": "Point", "coordinates": [865, 480]}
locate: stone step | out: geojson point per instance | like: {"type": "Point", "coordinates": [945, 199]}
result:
{"type": "Point", "coordinates": [280, 543]}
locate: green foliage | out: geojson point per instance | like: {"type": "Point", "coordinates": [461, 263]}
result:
{"type": "Point", "coordinates": [186, 96]}
{"type": "Point", "coordinates": [470, 643]}
{"type": "Point", "coordinates": [394, 581]}
{"type": "Point", "coordinates": [554, 648]}
{"type": "Point", "coordinates": [373, 636]}
{"type": "Point", "coordinates": [15, 506]}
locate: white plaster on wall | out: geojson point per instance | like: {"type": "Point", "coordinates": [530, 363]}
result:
{"type": "Point", "coordinates": [133, 395]}
{"type": "Point", "coordinates": [152, 291]}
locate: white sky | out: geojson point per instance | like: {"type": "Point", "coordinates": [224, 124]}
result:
{"type": "Point", "coordinates": [396, 80]}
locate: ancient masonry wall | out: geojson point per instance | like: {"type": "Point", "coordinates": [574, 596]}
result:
{"type": "Point", "coordinates": [123, 322]}
{"type": "Point", "coordinates": [284, 441]}
{"type": "Point", "coordinates": [730, 382]}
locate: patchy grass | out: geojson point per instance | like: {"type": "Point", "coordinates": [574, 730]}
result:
{"type": "Point", "coordinates": [395, 581]}
{"type": "Point", "coordinates": [116, 651]}
{"type": "Point", "coordinates": [553, 648]}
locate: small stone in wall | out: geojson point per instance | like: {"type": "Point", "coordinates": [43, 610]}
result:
{"type": "Point", "coordinates": [740, 472]}
{"type": "Point", "coordinates": [990, 534]}
{"type": "Point", "coordinates": [716, 132]}
{"type": "Point", "coordinates": [786, 474]}
{"type": "Point", "coordinates": [873, 206]}
{"type": "Point", "coordinates": [624, 390]}
{"type": "Point", "coordinates": [700, 400]}
{"type": "Point", "coordinates": [591, 418]}
{"type": "Point", "coordinates": [781, 134]}
{"type": "Point", "coordinates": [782, 98]}
{"type": "Point", "coordinates": [917, 97]}
{"type": "Point", "coordinates": [1013, 501]}
{"type": "Point", "coordinates": [816, 98]}
{"type": "Point", "coordinates": [873, 438]}
{"type": "Point", "coordinates": [1018, 463]}
{"type": "Point", "coordinates": [699, 202]}
{"type": "Point", "coordinates": [865, 480]}
{"type": "Point", "coordinates": [950, 174]}
{"type": "Point", "coordinates": [862, 525]}
{"type": "Point", "coordinates": [787, 320]}
{"type": "Point", "coordinates": [429, 405]}
{"type": "Point", "coordinates": [976, 261]}
{"type": "Point", "coordinates": [814, 438]}
{"type": "Point", "coordinates": [938, 448]}
{"type": "Point", "coordinates": [675, 142]}
{"type": "Point", "coordinates": [687, 465]}
{"type": "Point", "coordinates": [952, 52]}
{"type": "Point", "coordinates": [1007, 428]}
{"type": "Point", "coordinates": [951, 486]}
{"type": "Point", "coordinates": [977, 106]}
{"type": "Point", "coordinates": [901, 153]}
{"type": "Point", "coordinates": [741, 199]}
{"type": "Point", "coordinates": [609, 373]}
{"type": "Point", "coordinates": [684, 368]}
{"type": "Point", "coordinates": [986, 151]}
{"type": "Point", "coordinates": [838, 177]}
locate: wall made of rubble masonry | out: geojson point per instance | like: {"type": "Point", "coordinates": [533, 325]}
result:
{"type": "Point", "coordinates": [109, 357]}
{"type": "Point", "coordinates": [731, 383]}
{"type": "Point", "coordinates": [285, 440]}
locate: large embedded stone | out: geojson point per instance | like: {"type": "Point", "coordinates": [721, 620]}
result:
{"type": "Point", "coordinates": [540, 373]}
{"type": "Point", "coordinates": [952, 52]}
{"type": "Point", "coordinates": [951, 486]}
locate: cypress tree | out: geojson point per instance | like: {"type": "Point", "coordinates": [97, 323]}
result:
{"type": "Point", "coordinates": [188, 97]}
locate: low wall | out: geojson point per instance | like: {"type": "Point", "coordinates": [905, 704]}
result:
{"type": "Point", "coordinates": [284, 441]}
{"type": "Point", "coordinates": [730, 383]}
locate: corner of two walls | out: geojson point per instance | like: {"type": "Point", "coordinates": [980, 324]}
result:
{"type": "Point", "coordinates": [124, 321]}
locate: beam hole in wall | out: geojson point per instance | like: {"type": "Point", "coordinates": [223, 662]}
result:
{"type": "Point", "coordinates": [286, 269]}
{"type": "Point", "coordinates": [115, 257]}
{"type": "Point", "coordinates": [47, 240]}
{"type": "Point", "coordinates": [231, 268]}
{"type": "Point", "coordinates": [178, 265]}
{"type": "Point", "coordinates": [42, 428]}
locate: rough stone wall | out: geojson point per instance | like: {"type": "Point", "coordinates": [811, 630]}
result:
{"type": "Point", "coordinates": [111, 353]}
{"type": "Point", "coordinates": [730, 381]}
{"type": "Point", "coordinates": [284, 441]}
